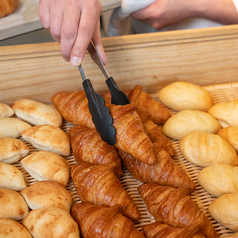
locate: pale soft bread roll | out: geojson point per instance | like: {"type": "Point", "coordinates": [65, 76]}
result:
{"type": "Point", "coordinates": [219, 179]}
{"type": "Point", "coordinates": [47, 194]}
{"type": "Point", "coordinates": [36, 113]}
{"type": "Point", "coordinates": [12, 127]}
{"type": "Point", "coordinates": [11, 177]}
{"type": "Point", "coordinates": [188, 121]}
{"type": "Point", "coordinates": [183, 96]}
{"type": "Point", "coordinates": [12, 205]}
{"type": "Point", "coordinates": [226, 113]}
{"type": "Point", "coordinates": [230, 134]}
{"type": "Point", "coordinates": [45, 165]}
{"type": "Point", "coordinates": [13, 229]}
{"type": "Point", "coordinates": [224, 209]}
{"type": "Point", "coordinates": [51, 222]}
{"type": "Point", "coordinates": [206, 149]}
{"type": "Point", "coordinates": [48, 138]}
{"type": "Point", "coordinates": [12, 150]}
{"type": "Point", "coordinates": [5, 110]}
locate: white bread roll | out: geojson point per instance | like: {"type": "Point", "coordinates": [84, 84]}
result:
{"type": "Point", "coordinates": [12, 229]}
{"type": "Point", "coordinates": [51, 222]}
{"type": "Point", "coordinates": [47, 194]}
{"type": "Point", "coordinates": [36, 113]}
{"type": "Point", "coordinates": [12, 150]}
{"type": "Point", "coordinates": [12, 205]}
{"type": "Point", "coordinates": [225, 210]}
{"type": "Point", "coordinates": [183, 96]}
{"type": "Point", "coordinates": [48, 138]}
{"type": "Point", "coordinates": [11, 177]}
{"type": "Point", "coordinates": [12, 127]}
{"type": "Point", "coordinates": [206, 149]}
{"type": "Point", "coordinates": [188, 121]}
{"type": "Point", "coordinates": [5, 110]}
{"type": "Point", "coordinates": [230, 134]}
{"type": "Point", "coordinates": [45, 165]}
{"type": "Point", "coordinates": [226, 113]}
{"type": "Point", "coordinates": [219, 179]}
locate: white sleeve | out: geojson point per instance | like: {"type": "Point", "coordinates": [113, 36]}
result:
{"type": "Point", "coordinates": [236, 4]}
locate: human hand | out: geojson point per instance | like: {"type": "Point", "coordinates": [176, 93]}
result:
{"type": "Point", "coordinates": [73, 23]}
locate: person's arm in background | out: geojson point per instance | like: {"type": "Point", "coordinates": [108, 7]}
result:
{"type": "Point", "coordinates": [163, 13]}
{"type": "Point", "coordinates": [73, 23]}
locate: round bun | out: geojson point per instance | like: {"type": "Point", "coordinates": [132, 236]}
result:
{"type": "Point", "coordinates": [7, 7]}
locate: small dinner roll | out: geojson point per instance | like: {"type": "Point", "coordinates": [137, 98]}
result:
{"type": "Point", "coordinates": [12, 127]}
{"type": "Point", "coordinates": [11, 177]}
{"type": "Point", "coordinates": [47, 194]}
{"type": "Point", "coordinates": [219, 179]}
{"type": "Point", "coordinates": [226, 113]}
{"type": "Point", "coordinates": [48, 138]}
{"type": "Point", "coordinates": [225, 210]}
{"type": "Point", "coordinates": [12, 205]}
{"type": "Point", "coordinates": [5, 110]}
{"type": "Point", "coordinates": [206, 149]}
{"type": "Point", "coordinates": [51, 222]}
{"type": "Point", "coordinates": [12, 229]}
{"type": "Point", "coordinates": [45, 165]}
{"type": "Point", "coordinates": [188, 121]}
{"type": "Point", "coordinates": [12, 150]}
{"type": "Point", "coordinates": [183, 96]}
{"type": "Point", "coordinates": [36, 113]}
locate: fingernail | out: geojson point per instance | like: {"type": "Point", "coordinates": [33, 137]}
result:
{"type": "Point", "coordinates": [75, 61]}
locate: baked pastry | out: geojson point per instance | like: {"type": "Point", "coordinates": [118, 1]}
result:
{"type": "Point", "coordinates": [12, 205]}
{"type": "Point", "coordinates": [12, 127]}
{"type": "Point", "coordinates": [36, 113]}
{"type": "Point", "coordinates": [47, 194]}
{"type": "Point", "coordinates": [11, 177]}
{"type": "Point", "coordinates": [219, 179]}
{"type": "Point", "coordinates": [12, 229]}
{"type": "Point", "coordinates": [7, 7]}
{"type": "Point", "coordinates": [186, 96]}
{"type": "Point", "coordinates": [88, 146]}
{"type": "Point", "coordinates": [5, 110]}
{"type": "Point", "coordinates": [130, 135]}
{"type": "Point", "coordinates": [188, 121]}
{"type": "Point", "coordinates": [224, 210]}
{"type": "Point", "coordinates": [206, 149]}
{"type": "Point", "coordinates": [51, 222]}
{"type": "Point", "coordinates": [99, 185]}
{"type": "Point", "coordinates": [48, 138]}
{"type": "Point", "coordinates": [225, 112]}
{"type": "Point", "coordinates": [12, 150]}
{"type": "Point", "coordinates": [103, 221]}
{"type": "Point", "coordinates": [174, 207]}
{"type": "Point", "coordinates": [45, 165]}
{"type": "Point", "coordinates": [73, 106]}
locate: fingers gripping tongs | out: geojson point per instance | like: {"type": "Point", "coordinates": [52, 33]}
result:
{"type": "Point", "coordinates": [100, 113]}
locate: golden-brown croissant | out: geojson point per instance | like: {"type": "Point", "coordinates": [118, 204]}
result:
{"type": "Point", "coordinates": [161, 230]}
{"type": "Point", "coordinates": [99, 185]}
{"type": "Point", "coordinates": [73, 107]}
{"type": "Point", "coordinates": [130, 135]}
{"type": "Point", "coordinates": [103, 221]}
{"type": "Point", "coordinates": [164, 172]}
{"type": "Point", "coordinates": [88, 146]}
{"type": "Point", "coordinates": [7, 7]}
{"type": "Point", "coordinates": [175, 207]}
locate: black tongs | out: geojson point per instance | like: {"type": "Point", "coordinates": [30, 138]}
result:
{"type": "Point", "coordinates": [100, 113]}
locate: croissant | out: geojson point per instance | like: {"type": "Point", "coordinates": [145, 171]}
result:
{"type": "Point", "coordinates": [160, 230]}
{"type": "Point", "coordinates": [103, 221]}
{"type": "Point", "coordinates": [7, 7]}
{"type": "Point", "coordinates": [73, 107]}
{"type": "Point", "coordinates": [130, 135]}
{"type": "Point", "coordinates": [175, 207]}
{"type": "Point", "coordinates": [99, 185]}
{"type": "Point", "coordinates": [164, 172]}
{"type": "Point", "coordinates": [88, 146]}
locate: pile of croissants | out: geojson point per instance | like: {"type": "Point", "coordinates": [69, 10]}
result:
{"type": "Point", "coordinates": [105, 208]}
